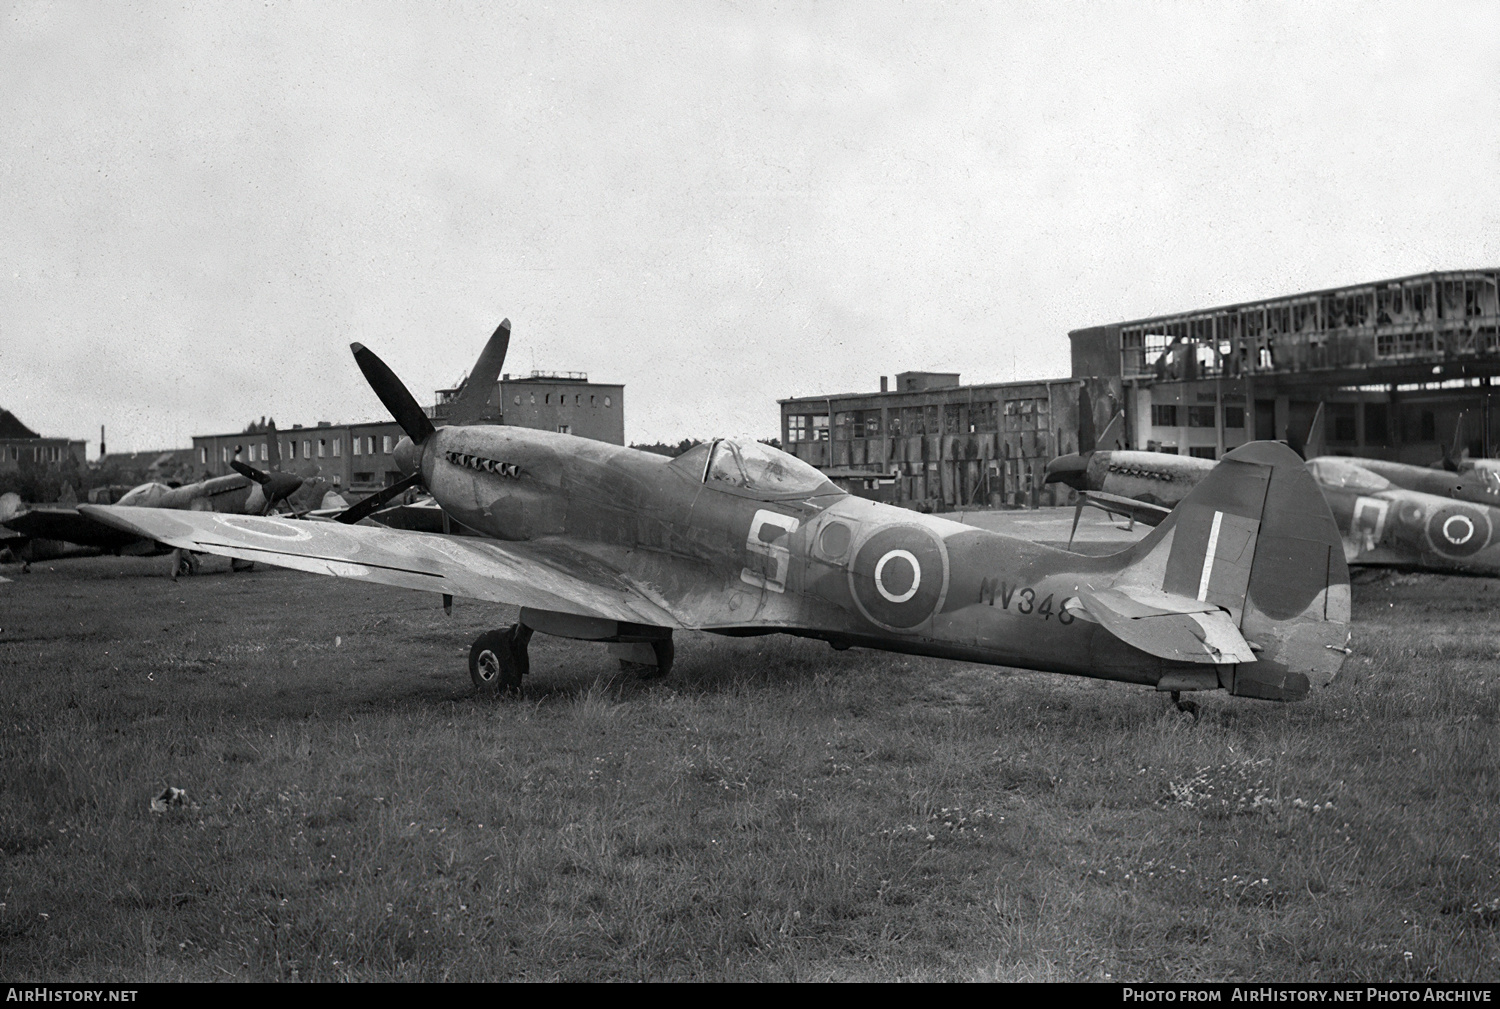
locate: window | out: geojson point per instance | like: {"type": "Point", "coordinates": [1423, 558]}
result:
{"type": "Point", "coordinates": [565, 429]}
{"type": "Point", "coordinates": [866, 423]}
{"type": "Point", "coordinates": [1204, 452]}
{"type": "Point", "coordinates": [1234, 416]}
{"type": "Point", "coordinates": [223, 453]}
{"type": "Point", "coordinates": [203, 456]}
{"type": "Point", "coordinates": [952, 419]}
{"type": "Point", "coordinates": [1163, 414]}
{"type": "Point", "coordinates": [798, 428]}
{"type": "Point", "coordinates": [307, 448]}
{"type": "Point", "coordinates": [364, 478]}
{"type": "Point", "coordinates": [338, 443]}
{"type": "Point", "coordinates": [593, 401]}
{"type": "Point", "coordinates": [1200, 416]}
{"type": "Point", "coordinates": [547, 399]}
{"type": "Point", "coordinates": [385, 444]}
{"type": "Point", "coordinates": [820, 428]}
{"type": "Point", "coordinates": [322, 447]}
{"type": "Point", "coordinates": [606, 401]}
{"type": "Point", "coordinates": [354, 445]}
{"type": "Point", "coordinates": [1377, 431]}
{"type": "Point", "coordinates": [518, 399]}
{"type": "Point", "coordinates": [578, 399]}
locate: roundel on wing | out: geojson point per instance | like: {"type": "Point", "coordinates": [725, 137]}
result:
{"type": "Point", "coordinates": [899, 576]}
{"type": "Point", "coordinates": [1458, 531]}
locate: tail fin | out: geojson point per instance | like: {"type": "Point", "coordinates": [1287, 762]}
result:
{"type": "Point", "coordinates": [1254, 541]}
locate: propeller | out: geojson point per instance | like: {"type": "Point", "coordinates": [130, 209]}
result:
{"type": "Point", "coordinates": [403, 408]}
{"type": "Point", "coordinates": [276, 485]}
{"type": "Point", "coordinates": [1083, 501]}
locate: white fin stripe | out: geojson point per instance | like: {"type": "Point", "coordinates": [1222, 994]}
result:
{"type": "Point", "coordinates": [1208, 557]}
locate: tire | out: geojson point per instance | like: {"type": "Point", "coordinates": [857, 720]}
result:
{"type": "Point", "coordinates": [497, 661]}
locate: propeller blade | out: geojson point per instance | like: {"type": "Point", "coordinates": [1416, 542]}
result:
{"type": "Point", "coordinates": [1114, 434]}
{"type": "Point", "coordinates": [1083, 500]}
{"type": "Point", "coordinates": [376, 501]}
{"type": "Point", "coordinates": [475, 396]}
{"type": "Point", "coordinates": [1086, 439]}
{"type": "Point", "coordinates": [397, 399]}
{"type": "Point", "coordinates": [1450, 456]}
{"type": "Point", "coordinates": [249, 471]}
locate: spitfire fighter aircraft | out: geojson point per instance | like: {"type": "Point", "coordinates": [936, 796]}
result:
{"type": "Point", "coordinates": [1242, 588]}
{"type": "Point", "coordinates": [1388, 514]}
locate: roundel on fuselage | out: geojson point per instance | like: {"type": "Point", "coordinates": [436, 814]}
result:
{"type": "Point", "coordinates": [899, 576]}
{"type": "Point", "coordinates": [1458, 530]}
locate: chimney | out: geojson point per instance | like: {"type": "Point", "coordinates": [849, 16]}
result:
{"type": "Point", "coordinates": [101, 441]}
{"type": "Point", "coordinates": [883, 384]}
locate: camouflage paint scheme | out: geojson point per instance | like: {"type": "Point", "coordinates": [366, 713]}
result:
{"type": "Point", "coordinates": [1384, 515]}
{"type": "Point", "coordinates": [1243, 588]}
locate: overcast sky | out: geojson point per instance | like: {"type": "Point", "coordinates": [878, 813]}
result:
{"type": "Point", "coordinates": [716, 204]}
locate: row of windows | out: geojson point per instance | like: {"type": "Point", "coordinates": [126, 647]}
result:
{"type": "Point", "coordinates": [1172, 415]}
{"type": "Point", "coordinates": [36, 453]}
{"type": "Point", "coordinates": [898, 422]}
{"type": "Point", "coordinates": [319, 448]}
{"type": "Point", "coordinates": [562, 399]}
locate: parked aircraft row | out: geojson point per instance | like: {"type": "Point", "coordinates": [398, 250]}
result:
{"type": "Point", "coordinates": [1388, 513]}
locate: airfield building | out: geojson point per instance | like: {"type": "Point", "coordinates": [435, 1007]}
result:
{"type": "Point", "coordinates": [21, 446]}
{"type": "Point", "coordinates": [1395, 361]}
{"type": "Point", "coordinates": [935, 444]}
{"type": "Point", "coordinates": [552, 401]}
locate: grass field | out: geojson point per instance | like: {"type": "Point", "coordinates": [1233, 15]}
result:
{"type": "Point", "coordinates": [776, 810]}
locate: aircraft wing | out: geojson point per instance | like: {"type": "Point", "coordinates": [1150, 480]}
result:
{"type": "Point", "coordinates": [1116, 504]}
{"type": "Point", "coordinates": [70, 526]}
{"type": "Point", "coordinates": [544, 575]}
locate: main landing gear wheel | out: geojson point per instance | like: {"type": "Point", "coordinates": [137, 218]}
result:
{"type": "Point", "coordinates": [498, 660]}
{"type": "Point", "coordinates": [235, 564]}
{"type": "Point", "coordinates": [665, 653]}
{"type": "Point", "coordinates": [184, 562]}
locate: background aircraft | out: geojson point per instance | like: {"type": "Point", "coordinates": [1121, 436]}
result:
{"type": "Point", "coordinates": [1388, 514]}
{"type": "Point", "coordinates": [1242, 588]}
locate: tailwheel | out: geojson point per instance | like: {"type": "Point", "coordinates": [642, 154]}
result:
{"type": "Point", "coordinates": [1186, 707]}
{"type": "Point", "coordinates": [498, 660]}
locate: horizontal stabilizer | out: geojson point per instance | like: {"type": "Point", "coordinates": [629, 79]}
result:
{"type": "Point", "coordinates": [1145, 513]}
{"type": "Point", "coordinates": [1172, 628]}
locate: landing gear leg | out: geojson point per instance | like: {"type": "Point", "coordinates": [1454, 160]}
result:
{"type": "Point", "coordinates": [1186, 707]}
{"type": "Point", "coordinates": [498, 660]}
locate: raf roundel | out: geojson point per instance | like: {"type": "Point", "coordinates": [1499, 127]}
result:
{"type": "Point", "coordinates": [1458, 531]}
{"type": "Point", "coordinates": [899, 576]}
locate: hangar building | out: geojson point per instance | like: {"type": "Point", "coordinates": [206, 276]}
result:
{"type": "Point", "coordinates": [1396, 361]}
{"type": "Point", "coordinates": [20, 445]}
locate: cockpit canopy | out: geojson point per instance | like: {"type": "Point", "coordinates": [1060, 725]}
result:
{"type": "Point", "coordinates": [752, 468]}
{"type": "Point", "coordinates": [146, 495]}
{"type": "Point", "coordinates": [1331, 472]}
